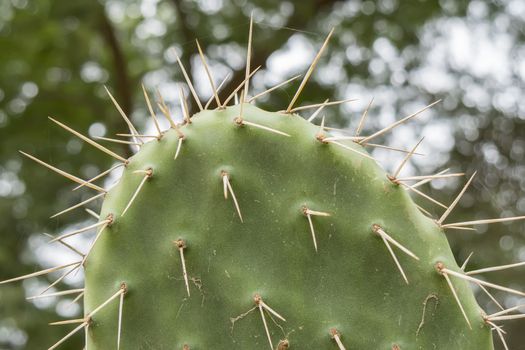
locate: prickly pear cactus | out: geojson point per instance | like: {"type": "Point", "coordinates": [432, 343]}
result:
{"type": "Point", "coordinates": [241, 228]}
{"type": "Point", "coordinates": [265, 252]}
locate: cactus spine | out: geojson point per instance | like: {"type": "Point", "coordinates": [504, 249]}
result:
{"type": "Point", "coordinates": [246, 229]}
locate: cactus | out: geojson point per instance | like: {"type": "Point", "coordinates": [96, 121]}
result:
{"type": "Point", "coordinates": [240, 228]}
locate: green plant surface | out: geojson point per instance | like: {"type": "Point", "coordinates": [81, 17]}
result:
{"type": "Point", "coordinates": [351, 283]}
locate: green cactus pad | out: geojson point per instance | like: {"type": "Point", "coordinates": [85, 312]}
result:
{"type": "Point", "coordinates": [349, 290]}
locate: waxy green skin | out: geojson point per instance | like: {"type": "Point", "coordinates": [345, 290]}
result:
{"type": "Point", "coordinates": [350, 284]}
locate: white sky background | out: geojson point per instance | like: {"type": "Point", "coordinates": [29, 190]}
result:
{"type": "Point", "coordinates": [474, 54]}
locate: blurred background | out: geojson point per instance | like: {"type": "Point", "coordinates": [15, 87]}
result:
{"type": "Point", "coordinates": [57, 56]}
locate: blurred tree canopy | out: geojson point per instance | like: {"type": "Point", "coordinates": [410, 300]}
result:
{"type": "Point", "coordinates": [56, 57]}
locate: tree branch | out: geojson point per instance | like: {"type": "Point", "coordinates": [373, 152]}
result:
{"type": "Point", "coordinates": [187, 36]}
{"type": "Point", "coordinates": [122, 81]}
{"type": "Point", "coordinates": [123, 91]}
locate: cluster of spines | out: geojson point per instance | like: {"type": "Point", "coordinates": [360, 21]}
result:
{"type": "Point", "coordinates": [180, 244]}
